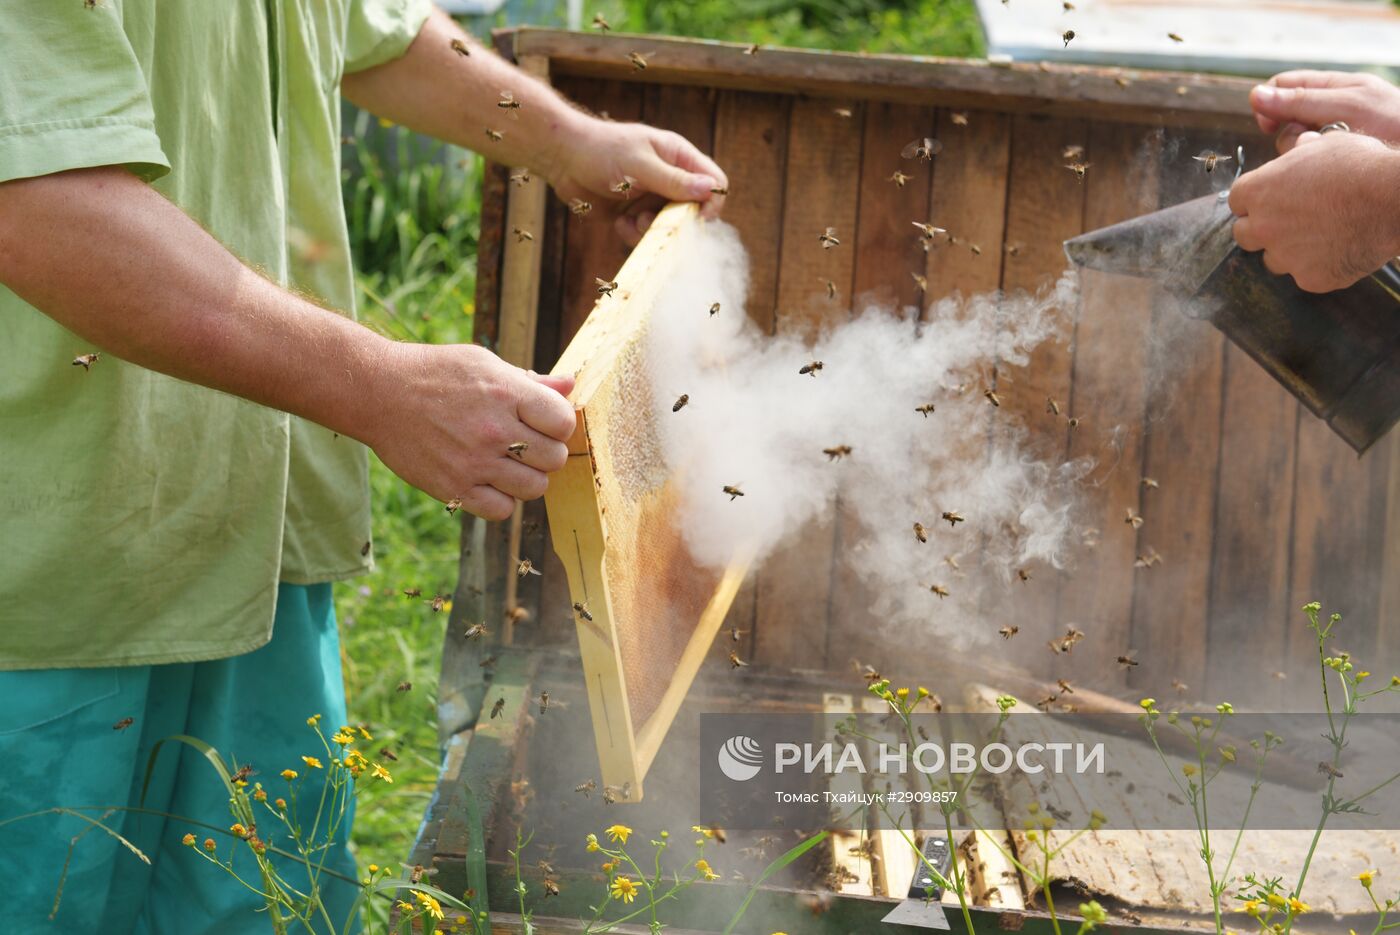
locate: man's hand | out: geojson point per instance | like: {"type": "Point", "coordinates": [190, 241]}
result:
{"type": "Point", "coordinates": [1325, 212]}
{"type": "Point", "coordinates": [1294, 102]}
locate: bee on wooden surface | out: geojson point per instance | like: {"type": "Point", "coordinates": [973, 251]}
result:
{"type": "Point", "coordinates": [1023, 573]}
{"type": "Point", "coordinates": [1179, 686]}
{"type": "Point", "coordinates": [924, 148]}
{"type": "Point", "coordinates": [1012, 249]}
{"type": "Point", "coordinates": [1079, 168]}
{"type": "Point", "coordinates": [1068, 36]}
{"type": "Point", "coordinates": [920, 282]}
{"type": "Point", "coordinates": [510, 104]}
{"type": "Point", "coordinates": [714, 310]}
{"type": "Point", "coordinates": [525, 567]}
{"type": "Point", "coordinates": [899, 178]}
{"type": "Point", "coordinates": [1174, 37]}
{"type": "Point", "coordinates": [1150, 483]}
{"type": "Point", "coordinates": [86, 360]}
{"type": "Point", "coordinates": [438, 602]}
{"type": "Point", "coordinates": [751, 49]}
{"type": "Point", "coordinates": [939, 589]}
{"type": "Point", "coordinates": [992, 398]}
{"type": "Point", "coordinates": [579, 207]}
{"type": "Point", "coordinates": [521, 234]}
{"type": "Point", "coordinates": [680, 402]}
{"type": "Point", "coordinates": [545, 702]}
{"type": "Point", "coordinates": [1132, 519]}
{"type": "Point", "coordinates": [638, 60]}
{"type": "Point", "coordinates": [412, 592]}
{"type": "Point", "coordinates": [733, 491]}
{"type": "Point", "coordinates": [929, 231]}
{"type": "Point", "coordinates": [735, 633]}
{"type": "Point", "coordinates": [605, 286]}
{"type": "Point", "coordinates": [1209, 159]}
{"type": "Point", "coordinates": [830, 286]}
{"type": "Point", "coordinates": [720, 190]}
{"type": "Point", "coordinates": [453, 505]}
{"type": "Point", "coordinates": [586, 788]}
{"type": "Point", "coordinates": [810, 369]}
{"type": "Point", "coordinates": [959, 118]}
{"type": "Point", "coordinates": [734, 661]}
{"type": "Point", "coordinates": [954, 517]}
{"type": "Point", "coordinates": [843, 112]}
{"type": "Point", "coordinates": [1127, 661]}
{"type": "Point", "coordinates": [517, 448]}
{"type": "Point", "coordinates": [404, 687]}
{"type": "Point", "coordinates": [494, 136]}
{"type": "Point", "coordinates": [601, 24]}
{"type": "Point", "coordinates": [1009, 631]}
{"type": "Point", "coordinates": [388, 754]}
{"type": "Point", "coordinates": [624, 186]}
{"type": "Point", "coordinates": [124, 723]}
{"type": "Point", "coordinates": [1327, 769]}
{"type": "Point", "coordinates": [976, 250]}
{"type": "Point", "coordinates": [475, 630]}
{"type": "Point", "coordinates": [581, 609]}
{"type": "Point", "coordinates": [836, 452]}
{"type": "Point", "coordinates": [828, 239]}
{"type": "Point", "coordinates": [920, 532]}
{"type": "Point", "coordinates": [498, 708]}
{"type": "Point", "coordinates": [461, 48]}
{"type": "Point", "coordinates": [925, 409]}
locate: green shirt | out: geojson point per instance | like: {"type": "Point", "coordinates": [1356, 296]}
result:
{"type": "Point", "coordinates": [144, 520]}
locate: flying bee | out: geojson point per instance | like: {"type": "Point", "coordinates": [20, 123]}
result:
{"type": "Point", "coordinates": [1132, 519]}
{"type": "Point", "coordinates": [488, 662]}
{"type": "Point", "coordinates": [1121, 81]}
{"type": "Point", "coordinates": [939, 589]}
{"type": "Point", "coordinates": [751, 49]}
{"type": "Point", "coordinates": [680, 402]}
{"type": "Point", "coordinates": [624, 186]}
{"type": "Point", "coordinates": [86, 360]}
{"type": "Point", "coordinates": [461, 48]}
{"type": "Point", "coordinates": [929, 231]}
{"type": "Point", "coordinates": [714, 310]}
{"type": "Point", "coordinates": [734, 661]}
{"type": "Point", "coordinates": [1174, 37]}
{"type": "Point", "coordinates": [509, 103]}
{"type": "Point", "coordinates": [638, 60]}
{"type": "Point", "coordinates": [518, 448]}
{"type": "Point", "coordinates": [735, 633]}
{"type": "Point", "coordinates": [1147, 560]}
{"type": "Point", "coordinates": [1072, 152]}
{"type": "Point", "coordinates": [551, 887]}
{"type": "Point", "coordinates": [1012, 249]}
{"type": "Point", "coordinates": [867, 672]}
{"type": "Point", "coordinates": [1179, 686]}
{"type": "Point", "coordinates": [920, 282]}
{"type": "Point", "coordinates": [1047, 701]}
{"type": "Point", "coordinates": [828, 239]}
{"type": "Point", "coordinates": [733, 491]}
{"type": "Point", "coordinates": [1065, 686]}
{"type": "Point", "coordinates": [545, 702]}
{"type": "Point", "coordinates": [605, 286]}
{"type": "Point", "coordinates": [924, 148]}
{"type": "Point", "coordinates": [1209, 159]}
{"type": "Point", "coordinates": [925, 409]}
{"type": "Point", "coordinates": [1023, 573]}
{"type": "Point", "coordinates": [453, 505]}
{"type": "Point", "coordinates": [810, 369]}
{"type": "Point", "coordinates": [124, 723]}
{"type": "Point", "coordinates": [1073, 422]}
{"type": "Point", "coordinates": [412, 592]}
{"type": "Point", "coordinates": [388, 754]}
{"type": "Point", "coordinates": [494, 136]}
{"type": "Point", "coordinates": [1068, 7]}
{"type": "Point", "coordinates": [843, 112]}
{"type": "Point", "coordinates": [1068, 36]}
{"type": "Point", "coordinates": [1079, 168]}
{"type": "Point", "coordinates": [242, 773]}
{"type": "Point", "coordinates": [525, 567]}
{"type": "Point", "coordinates": [475, 630]}
{"type": "Point", "coordinates": [920, 532]}
{"type": "Point", "coordinates": [521, 234]}
{"type": "Point", "coordinates": [586, 788]}
{"type": "Point", "coordinates": [836, 452]}
{"type": "Point", "coordinates": [976, 250]}
{"type": "Point", "coordinates": [1149, 483]}
{"type": "Point", "coordinates": [959, 118]}
{"type": "Point", "coordinates": [364, 549]}
{"type": "Point", "coordinates": [1127, 661]}
{"type": "Point", "coordinates": [830, 286]}
{"type": "Point", "coordinates": [516, 614]}
{"type": "Point", "coordinates": [954, 517]}
{"type": "Point", "coordinates": [1009, 631]}
{"type": "Point", "coordinates": [438, 602]}
{"type": "Point", "coordinates": [404, 687]}
{"type": "Point", "coordinates": [1327, 769]}
{"type": "Point", "coordinates": [601, 24]}
{"type": "Point", "coordinates": [992, 398]}
{"type": "Point", "coordinates": [579, 207]}
{"type": "Point", "coordinates": [581, 609]}
{"type": "Point", "coordinates": [899, 178]}
{"type": "Point", "coordinates": [952, 562]}
{"type": "Point", "coordinates": [498, 708]}
{"type": "Point", "coordinates": [417, 872]}
{"type": "Point", "coordinates": [521, 177]}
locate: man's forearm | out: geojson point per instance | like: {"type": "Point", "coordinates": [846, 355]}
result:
{"type": "Point", "coordinates": [434, 89]}
{"type": "Point", "coordinates": [113, 261]}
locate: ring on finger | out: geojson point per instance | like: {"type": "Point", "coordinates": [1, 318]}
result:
{"type": "Point", "coordinates": [1335, 125]}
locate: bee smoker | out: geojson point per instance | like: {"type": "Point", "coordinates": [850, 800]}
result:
{"type": "Point", "coordinates": [1337, 352]}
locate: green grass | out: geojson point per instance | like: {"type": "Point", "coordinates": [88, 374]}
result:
{"type": "Point", "coordinates": [413, 212]}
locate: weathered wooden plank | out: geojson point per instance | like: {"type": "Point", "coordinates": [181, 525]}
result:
{"type": "Point", "coordinates": [1108, 395]}
{"type": "Point", "coordinates": [823, 163]}
{"type": "Point", "coordinates": [969, 199]}
{"type": "Point", "coordinates": [1066, 90]}
{"type": "Point", "coordinates": [687, 110]}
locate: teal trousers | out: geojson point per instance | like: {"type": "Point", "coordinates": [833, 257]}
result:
{"type": "Point", "coordinates": [61, 745]}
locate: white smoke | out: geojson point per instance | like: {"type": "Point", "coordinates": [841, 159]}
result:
{"type": "Point", "coordinates": [754, 422]}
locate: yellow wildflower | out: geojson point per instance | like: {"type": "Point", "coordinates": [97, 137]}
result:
{"type": "Point", "coordinates": [289, 774]}
{"type": "Point", "coordinates": [700, 829]}
{"type": "Point", "coordinates": [433, 907]}
{"type": "Point", "coordinates": [373, 868]}
{"type": "Point", "coordinates": [341, 738]}
{"type": "Point", "coordinates": [209, 845]}
{"type": "Point", "coordinates": [609, 866]}
{"type": "Point", "coordinates": [260, 794]}
{"type": "Point", "coordinates": [364, 733]}
{"type": "Point", "coordinates": [1365, 876]}
{"type": "Point", "coordinates": [703, 866]}
{"type": "Point", "coordinates": [1252, 907]}
{"type": "Point", "coordinates": [381, 773]}
{"type": "Point", "coordinates": [313, 720]}
{"type": "Point", "coordinates": [1277, 901]}
{"type": "Point", "coordinates": [281, 804]}
{"type": "Point", "coordinates": [312, 762]}
{"type": "Point", "coordinates": [592, 841]}
{"type": "Point", "coordinates": [238, 830]}
{"type": "Point", "coordinates": [619, 833]}
{"type": "Point", "coordinates": [188, 841]}
{"type": "Point", "coordinates": [1297, 906]}
{"type": "Point", "coordinates": [902, 692]}
{"type": "Point", "coordinates": [623, 889]}
{"type": "Point", "coordinates": [1189, 769]}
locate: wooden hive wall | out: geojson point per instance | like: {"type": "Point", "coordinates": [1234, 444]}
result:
{"type": "Point", "coordinates": [1260, 507]}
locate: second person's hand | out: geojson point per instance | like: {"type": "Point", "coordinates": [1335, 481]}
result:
{"type": "Point", "coordinates": [1294, 102]}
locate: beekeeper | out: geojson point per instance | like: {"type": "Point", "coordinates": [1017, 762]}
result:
{"type": "Point", "coordinates": [1324, 212]}
{"type": "Point", "coordinates": [176, 280]}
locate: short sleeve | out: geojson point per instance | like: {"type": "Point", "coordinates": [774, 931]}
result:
{"type": "Point", "coordinates": [72, 92]}
{"type": "Point", "coordinates": [380, 31]}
